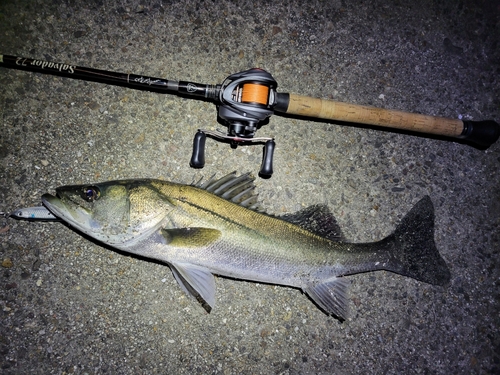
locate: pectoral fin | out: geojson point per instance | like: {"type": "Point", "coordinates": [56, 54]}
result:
{"type": "Point", "coordinates": [190, 237]}
{"type": "Point", "coordinates": [196, 281]}
{"type": "Point", "coordinates": [331, 296]}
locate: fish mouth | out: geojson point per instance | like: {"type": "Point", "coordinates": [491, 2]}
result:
{"type": "Point", "coordinates": [72, 214]}
{"type": "Point", "coordinates": [54, 204]}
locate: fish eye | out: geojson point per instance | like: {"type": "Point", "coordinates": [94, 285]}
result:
{"type": "Point", "coordinates": [91, 193]}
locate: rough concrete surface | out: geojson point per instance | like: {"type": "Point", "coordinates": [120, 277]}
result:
{"type": "Point", "coordinates": [69, 305]}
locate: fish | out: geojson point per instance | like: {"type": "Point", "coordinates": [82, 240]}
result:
{"type": "Point", "coordinates": [219, 227]}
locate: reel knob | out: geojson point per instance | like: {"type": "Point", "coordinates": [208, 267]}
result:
{"type": "Point", "coordinates": [198, 157]}
{"type": "Point", "coordinates": [266, 168]}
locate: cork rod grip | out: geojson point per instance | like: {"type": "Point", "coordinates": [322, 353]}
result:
{"type": "Point", "coordinates": [332, 110]}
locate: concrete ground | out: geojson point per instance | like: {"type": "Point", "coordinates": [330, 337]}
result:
{"type": "Point", "coordinates": [69, 305]}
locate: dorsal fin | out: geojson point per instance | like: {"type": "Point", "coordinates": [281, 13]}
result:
{"type": "Point", "coordinates": [316, 219]}
{"type": "Point", "coordinates": [240, 190]}
{"type": "Point", "coordinates": [236, 189]}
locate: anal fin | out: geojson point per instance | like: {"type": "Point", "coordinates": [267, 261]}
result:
{"type": "Point", "coordinates": [331, 296]}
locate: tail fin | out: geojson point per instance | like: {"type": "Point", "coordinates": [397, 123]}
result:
{"type": "Point", "coordinates": [409, 251]}
{"type": "Point", "coordinates": [415, 250]}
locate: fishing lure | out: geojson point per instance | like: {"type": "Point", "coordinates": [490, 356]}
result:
{"type": "Point", "coordinates": [33, 213]}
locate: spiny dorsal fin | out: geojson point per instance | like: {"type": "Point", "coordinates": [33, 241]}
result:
{"type": "Point", "coordinates": [316, 219]}
{"type": "Point", "coordinates": [236, 189]}
{"type": "Point", "coordinates": [240, 190]}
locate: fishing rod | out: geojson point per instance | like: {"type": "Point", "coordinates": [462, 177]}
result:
{"type": "Point", "coordinates": [246, 100]}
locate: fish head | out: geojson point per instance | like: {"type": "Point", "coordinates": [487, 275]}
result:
{"type": "Point", "coordinates": [118, 213]}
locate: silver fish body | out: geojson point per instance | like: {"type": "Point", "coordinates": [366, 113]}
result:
{"type": "Point", "coordinates": [216, 228]}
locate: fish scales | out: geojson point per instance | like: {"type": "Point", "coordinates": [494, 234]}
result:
{"type": "Point", "coordinates": [216, 228]}
{"type": "Point", "coordinates": [258, 239]}
{"type": "Point", "coordinates": [253, 241]}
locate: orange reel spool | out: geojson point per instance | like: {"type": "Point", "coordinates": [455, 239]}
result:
{"type": "Point", "coordinates": [255, 93]}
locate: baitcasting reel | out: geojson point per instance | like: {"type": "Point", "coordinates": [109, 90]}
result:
{"type": "Point", "coordinates": [246, 99]}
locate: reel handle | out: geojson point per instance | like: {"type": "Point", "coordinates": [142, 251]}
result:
{"type": "Point", "coordinates": [198, 157]}
{"type": "Point", "coordinates": [266, 169]}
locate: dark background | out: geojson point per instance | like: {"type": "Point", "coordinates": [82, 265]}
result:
{"type": "Point", "coordinates": [71, 306]}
